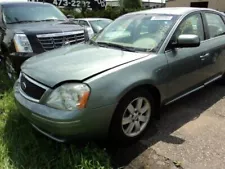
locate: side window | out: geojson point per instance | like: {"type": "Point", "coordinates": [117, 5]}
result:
{"type": "Point", "coordinates": [215, 24]}
{"type": "Point", "coordinates": [83, 23]}
{"type": "Point", "coordinates": [191, 25]}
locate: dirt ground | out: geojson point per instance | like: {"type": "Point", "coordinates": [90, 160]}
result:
{"type": "Point", "coordinates": [189, 135]}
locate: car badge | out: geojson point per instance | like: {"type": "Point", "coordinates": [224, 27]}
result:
{"type": "Point", "coordinates": [23, 85]}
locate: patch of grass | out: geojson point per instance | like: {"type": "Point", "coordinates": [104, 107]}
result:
{"type": "Point", "coordinates": [5, 84]}
{"type": "Point", "coordinates": [21, 147]}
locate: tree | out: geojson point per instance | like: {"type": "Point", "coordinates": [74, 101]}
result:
{"type": "Point", "coordinates": [130, 4]}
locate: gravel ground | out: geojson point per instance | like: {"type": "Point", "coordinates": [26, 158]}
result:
{"type": "Point", "coordinates": [189, 135]}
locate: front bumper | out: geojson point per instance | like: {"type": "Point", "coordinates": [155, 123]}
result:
{"type": "Point", "coordinates": [63, 126]}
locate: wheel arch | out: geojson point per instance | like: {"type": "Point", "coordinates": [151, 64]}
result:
{"type": "Point", "coordinates": [152, 89]}
{"type": "Point", "coordinates": [144, 85]}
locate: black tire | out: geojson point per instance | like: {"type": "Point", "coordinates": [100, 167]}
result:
{"type": "Point", "coordinates": [11, 72]}
{"type": "Point", "coordinates": [116, 132]}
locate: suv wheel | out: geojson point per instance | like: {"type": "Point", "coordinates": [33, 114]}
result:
{"type": "Point", "coordinates": [132, 117]}
{"type": "Point", "coordinates": [10, 70]}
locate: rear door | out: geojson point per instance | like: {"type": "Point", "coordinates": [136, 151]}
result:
{"type": "Point", "coordinates": [185, 63]}
{"type": "Point", "coordinates": [213, 61]}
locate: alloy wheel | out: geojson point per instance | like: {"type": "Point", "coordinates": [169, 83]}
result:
{"type": "Point", "coordinates": [136, 117]}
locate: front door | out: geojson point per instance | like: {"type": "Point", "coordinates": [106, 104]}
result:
{"type": "Point", "coordinates": [185, 63]}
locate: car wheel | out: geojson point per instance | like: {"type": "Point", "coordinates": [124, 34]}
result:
{"type": "Point", "coordinates": [132, 117]}
{"type": "Point", "coordinates": [10, 69]}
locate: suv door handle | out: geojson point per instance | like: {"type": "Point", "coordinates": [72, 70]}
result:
{"type": "Point", "coordinates": [205, 55]}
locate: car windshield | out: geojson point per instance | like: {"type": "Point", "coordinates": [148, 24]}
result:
{"type": "Point", "coordinates": [98, 25]}
{"type": "Point", "coordinates": [139, 32]}
{"type": "Point", "coordinates": [31, 12]}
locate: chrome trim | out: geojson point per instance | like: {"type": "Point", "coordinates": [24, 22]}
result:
{"type": "Point", "coordinates": [19, 76]}
{"type": "Point", "coordinates": [212, 80]}
{"type": "Point", "coordinates": [205, 55]}
{"type": "Point", "coordinates": [34, 82]}
{"type": "Point", "coordinates": [196, 89]}
{"type": "Point", "coordinates": [59, 34]}
{"type": "Point", "coordinates": [48, 135]}
{"type": "Point", "coordinates": [68, 42]}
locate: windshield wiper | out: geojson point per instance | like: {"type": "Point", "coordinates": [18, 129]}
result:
{"type": "Point", "coordinates": [51, 20]}
{"type": "Point", "coordinates": [220, 34]}
{"type": "Point", "coordinates": [93, 42]}
{"type": "Point", "coordinates": [125, 48]}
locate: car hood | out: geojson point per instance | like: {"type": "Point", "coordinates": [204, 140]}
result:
{"type": "Point", "coordinates": [44, 27]}
{"type": "Point", "coordinates": [76, 62]}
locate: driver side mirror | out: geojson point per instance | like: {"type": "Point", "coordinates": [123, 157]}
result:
{"type": "Point", "coordinates": [187, 41]}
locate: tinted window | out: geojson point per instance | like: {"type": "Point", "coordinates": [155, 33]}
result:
{"type": "Point", "coordinates": [216, 25]}
{"type": "Point", "coordinates": [191, 25]}
{"type": "Point", "coordinates": [35, 12]}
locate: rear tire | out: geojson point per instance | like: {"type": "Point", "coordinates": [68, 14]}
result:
{"type": "Point", "coordinates": [132, 117]}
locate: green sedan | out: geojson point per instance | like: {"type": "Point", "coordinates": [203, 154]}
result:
{"type": "Point", "coordinates": [113, 85]}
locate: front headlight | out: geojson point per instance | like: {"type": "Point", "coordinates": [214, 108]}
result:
{"type": "Point", "coordinates": [69, 97]}
{"type": "Point", "coordinates": [22, 44]}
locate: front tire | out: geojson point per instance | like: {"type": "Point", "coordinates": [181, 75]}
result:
{"type": "Point", "coordinates": [132, 117]}
{"type": "Point", "coordinates": [10, 69]}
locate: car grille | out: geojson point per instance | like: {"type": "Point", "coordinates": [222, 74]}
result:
{"type": "Point", "coordinates": [31, 89]}
{"type": "Point", "coordinates": [57, 40]}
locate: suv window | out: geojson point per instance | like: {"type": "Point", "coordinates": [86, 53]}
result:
{"type": "Point", "coordinates": [31, 12]}
{"type": "Point", "coordinates": [191, 25]}
{"type": "Point", "coordinates": [215, 24]}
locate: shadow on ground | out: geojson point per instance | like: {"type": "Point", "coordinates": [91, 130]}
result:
{"type": "Point", "coordinates": [173, 117]}
{"type": "Point", "coordinates": [26, 147]}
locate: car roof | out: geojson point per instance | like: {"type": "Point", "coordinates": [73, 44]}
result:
{"type": "Point", "coordinates": [172, 10]}
{"type": "Point", "coordinates": [92, 19]}
{"type": "Point", "coordinates": [22, 3]}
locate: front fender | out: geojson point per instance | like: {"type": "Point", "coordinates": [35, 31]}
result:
{"type": "Point", "coordinates": [135, 84]}
{"type": "Point", "coordinates": [109, 87]}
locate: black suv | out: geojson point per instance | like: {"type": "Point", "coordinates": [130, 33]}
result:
{"type": "Point", "coordinates": [30, 28]}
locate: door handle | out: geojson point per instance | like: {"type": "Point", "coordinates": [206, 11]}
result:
{"type": "Point", "coordinates": [205, 55]}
